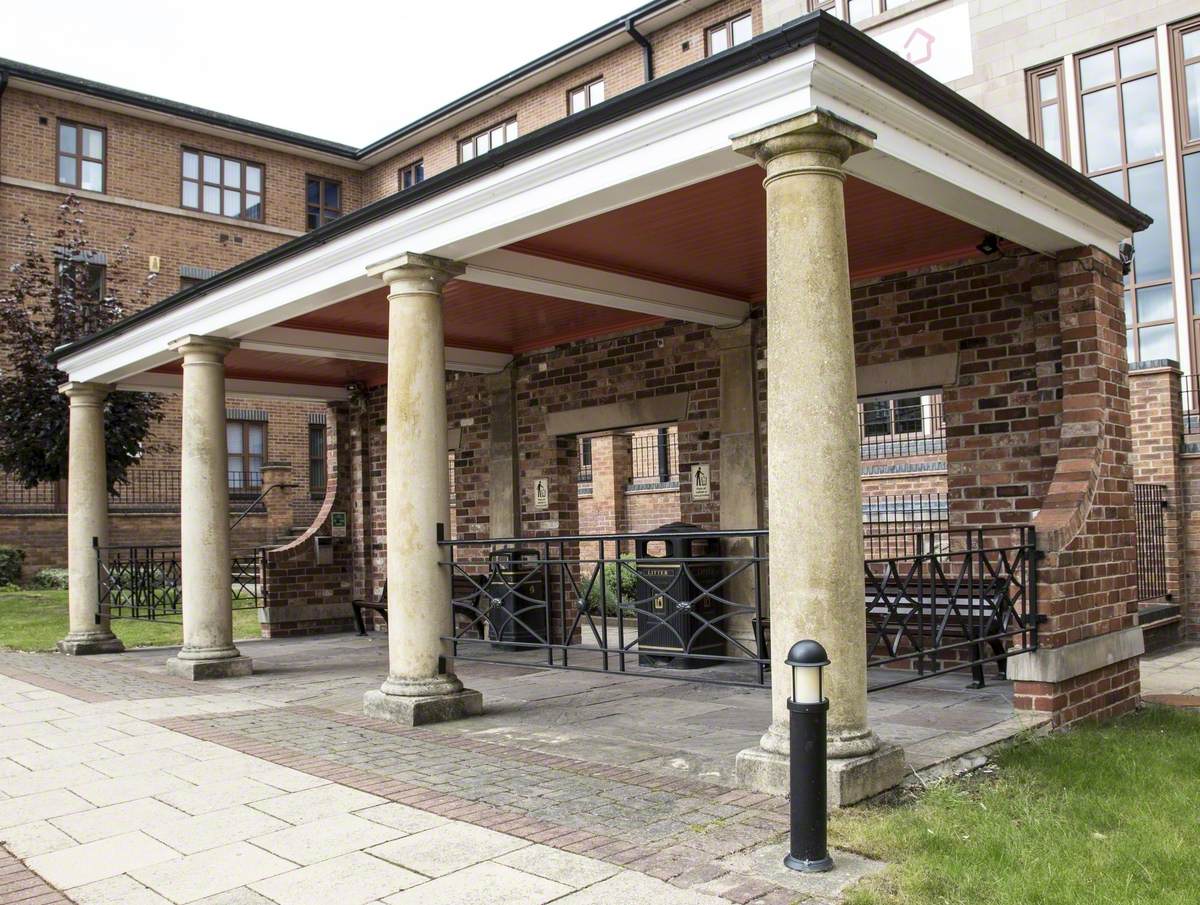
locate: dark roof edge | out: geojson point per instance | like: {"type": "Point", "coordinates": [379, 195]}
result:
{"type": "Point", "coordinates": [815, 28]}
{"type": "Point", "coordinates": [13, 69]}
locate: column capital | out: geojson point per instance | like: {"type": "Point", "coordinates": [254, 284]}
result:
{"type": "Point", "coordinates": [85, 393]}
{"type": "Point", "coordinates": [209, 346]}
{"type": "Point", "coordinates": [813, 141]}
{"type": "Point", "coordinates": [411, 272]}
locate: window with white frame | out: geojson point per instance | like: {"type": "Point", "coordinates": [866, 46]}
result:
{"type": "Point", "coordinates": [488, 140]}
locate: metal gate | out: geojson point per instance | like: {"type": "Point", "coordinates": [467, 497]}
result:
{"type": "Point", "coordinates": [1150, 504]}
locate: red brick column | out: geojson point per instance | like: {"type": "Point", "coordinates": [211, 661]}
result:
{"type": "Point", "coordinates": [1087, 664]}
{"type": "Point", "coordinates": [278, 478]}
{"type": "Point", "coordinates": [1156, 409]}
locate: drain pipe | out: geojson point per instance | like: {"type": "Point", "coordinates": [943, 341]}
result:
{"type": "Point", "coordinates": [647, 49]}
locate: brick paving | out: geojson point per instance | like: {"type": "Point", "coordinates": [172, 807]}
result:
{"type": "Point", "coordinates": [21, 886]}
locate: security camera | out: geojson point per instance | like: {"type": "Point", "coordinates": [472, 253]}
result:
{"type": "Point", "coordinates": [1125, 249]}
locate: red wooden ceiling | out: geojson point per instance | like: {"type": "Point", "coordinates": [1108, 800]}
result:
{"type": "Point", "coordinates": [710, 236]}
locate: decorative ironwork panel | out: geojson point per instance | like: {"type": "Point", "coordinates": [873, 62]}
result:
{"type": "Point", "coordinates": [1150, 504]}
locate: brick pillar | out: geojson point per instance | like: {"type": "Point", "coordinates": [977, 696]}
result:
{"type": "Point", "coordinates": [278, 476]}
{"type": "Point", "coordinates": [357, 453]}
{"type": "Point", "coordinates": [1090, 643]}
{"type": "Point", "coordinates": [504, 503]}
{"type": "Point", "coordinates": [1156, 423]}
{"type": "Point", "coordinates": [611, 469]}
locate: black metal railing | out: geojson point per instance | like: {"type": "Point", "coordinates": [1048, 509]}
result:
{"type": "Point", "coordinates": [1189, 392]}
{"type": "Point", "coordinates": [655, 457]}
{"type": "Point", "coordinates": [1150, 504]}
{"type": "Point", "coordinates": [146, 582]}
{"type": "Point", "coordinates": [146, 489]}
{"type": "Point", "coordinates": [16, 498]}
{"type": "Point", "coordinates": [143, 490]}
{"type": "Point", "coordinates": [898, 428]}
{"type": "Point", "coordinates": [892, 523]}
{"type": "Point", "coordinates": [962, 599]}
{"type": "Point", "coordinates": [664, 604]}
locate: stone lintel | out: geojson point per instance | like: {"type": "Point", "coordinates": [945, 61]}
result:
{"type": "Point", "coordinates": [922, 373]}
{"type": "Point", "coordinates": [197, 670]}
{"type": "Point", "coordinates": [1058, 664]}
{"type": "Point", "coordinates": [847, 780]}
{"type": "Point", "coordinates": [814, 119]}
{"type": "Point", "coordinates": [424, 709]}
{"type": "Point", "coordinates": [616, 415]}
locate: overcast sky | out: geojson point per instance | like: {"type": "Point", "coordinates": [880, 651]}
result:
{"type": "Point", "coordinates": [344, 70]}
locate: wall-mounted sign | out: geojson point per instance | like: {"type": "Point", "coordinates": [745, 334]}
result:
{"type": "Point", "coordinates": [541, 494]}
{"type": "Point", "coordinates": [701, 483]}
{"type": "Point", "coordinates": [939, 43]}
{"type": "Point", "coordinates": [337, 524]}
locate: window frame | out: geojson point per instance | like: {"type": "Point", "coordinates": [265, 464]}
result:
{"type": "Point", "coordinates": [320, 206]}
{"type": "Point", "coordinates": [893, 400]}
{"type": "Point", "coordinates": [1187, 145]}
{"type": "Point", "coordinates": [221, 187]}
{"type": "Point", "coordinates": [830, 6]}
{"type": "Point", "coordinates": [418, 164]}
{"type": "Point", "coordinates": [587, 94]}
{"type": "Point", "coordinates": [246, 487]}
{"type": "Point", "coordinates": [474, 137]}
{"type": "Point", "coordinates": [79, 157]}
{"type": "Point", "coordinates": [318, 430]}
{"type": "Point", "coordinates": [1035, 104]}
{"type": "Point", "coordinates": [65, 264]}
{"type": "Point", "coordinates": [1134, 324]}
{"type": "Point", "coordinates": [727, 27]}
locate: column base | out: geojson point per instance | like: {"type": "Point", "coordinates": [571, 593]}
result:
{"type": "Point", "coordinates": [418, 710]}
{"type": "Point", "coordinates": [197, 670]}
{"type": "Point", "coordinates": [848, 780]}
{"type": "Point", "coordinates": [99, 643]}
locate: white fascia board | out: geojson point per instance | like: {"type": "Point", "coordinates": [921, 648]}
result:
{"type": "Point", "coordinates": [559, 279]}
{"type": "Point", "coordinates": [155, 382]}
{"type": "Point", "coordinates": [932, 160]}
{"type": "Point", "coordinates": [370, 349]}
{"type": "Point", "coordinates": [675, 144]}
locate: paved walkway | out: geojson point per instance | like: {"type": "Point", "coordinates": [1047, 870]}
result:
{"type": "Point", "coordinates": [120, 784]}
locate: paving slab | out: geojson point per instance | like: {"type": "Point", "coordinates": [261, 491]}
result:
{"type": "Point", "coordinates": [210, 872]}
{"type": "Point", "coordinates": [350, 879]}
{"type": "Point", "coordinates": [447, 848]}
{"type": "Point", "coordinates": [489, 882]}
{"type": "Point", "coordinates": [99, 860]}
{"type": "Point", "coordinates": [189, 835]}
{"type": "Point", "coordinates": [326, 838]}
{"type": "Point", "coordinates": [314, 804]}
{"type": "Point", "coordinates": [122, 890]}
{"type": "Point", "coordinates": [554, 864]}
{"type": "Point", "coordinates": [116, 819]}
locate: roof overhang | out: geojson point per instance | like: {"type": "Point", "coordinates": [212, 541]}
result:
{"type": "Point", "coordinates": [933, 147]}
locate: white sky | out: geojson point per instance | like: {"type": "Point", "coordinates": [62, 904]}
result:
{"type": "Point", "coordinates": [343, 70]}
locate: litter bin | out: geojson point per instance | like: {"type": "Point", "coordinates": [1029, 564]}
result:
{"type": "Point", "coordinates": [672, 614]}
{"type": "Point", "coordinates": [515, 598]}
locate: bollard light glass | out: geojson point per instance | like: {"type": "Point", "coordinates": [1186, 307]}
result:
{"type": "Point", "coordinates": [808, 661]}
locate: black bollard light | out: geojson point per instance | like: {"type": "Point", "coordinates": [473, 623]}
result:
{"type": "Point", "coordinates": [809, 850]}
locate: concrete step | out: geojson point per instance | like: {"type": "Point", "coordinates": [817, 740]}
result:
{"type": "Point", "coordinates": [1162, 624]}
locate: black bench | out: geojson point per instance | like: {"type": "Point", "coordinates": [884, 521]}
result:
{"type": "Point", "coordinates": [464, 592]}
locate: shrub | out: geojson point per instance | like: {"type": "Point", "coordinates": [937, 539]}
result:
{"type": "Point", "coordinates": [11, 561]}
{"type": "Point", "coordinates": [628, 586]}
{"type": "Point", "coordinates": [50, 580]}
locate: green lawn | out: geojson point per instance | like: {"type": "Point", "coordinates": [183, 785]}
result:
{"type": "Point", "coordinates": [35, 620]}
{"type": "Point", "coordinates": [1102, 815]}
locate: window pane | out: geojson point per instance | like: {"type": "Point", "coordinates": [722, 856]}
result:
{"type": "Point", "coordinates": [908, 415]}
{"type": "Point", "coordinates": [1129, 353]}
{"type": "Point", "coordinates": [718, 40]}
{"type": "Point", "coordinates": [1148, 193]}
{"type": "Point", "coordinates": [253, 178]}
{"type": "Point", "coordinates": [235, 471]}
{"type": "Point", "coordinates": [212, 199]}
{"type": "Point", "coordinates": [1143, 126]}
{"type": "Point", "coordinates": [1129, 318]}
{"type": "Point", "coordinates": [66, 138]}
{"type": "Point", "coordinates": [93, 176]}
{"type": "Point", "coordinates": [1048, 86]}
{"type": "Point", "coordinates": [212, 168]}
{"type": "Point", "coordinates": [1096, 70]}
{"type": "Point", "coordinates": [743, 30]}
{"type": "Point", "coordinates": [333, 195]}
{"type": "Point", "coordinates": [316, 443]}
{"type": "Point", "coordinates": [191, 194]}
{"type": "Point", "coordinates": [857, 10]}
{"type": "Point", "coordinates": [466, 150]}
{"type": "Point", "coordinates": [313, 193]}
{"type": "Point", "coordinates": [1196, 297]}
{"type": "Point", "coordinates": [93, 143]}
{"type": "Point", "coordinates": [1191, 194]}
{"type": "Point", "coordinates": [420, 167]}
{"type": "Point", "coordinates": [255, 436]}
{"type": "Point", "coordinates": [254, 207]}
{"type": "Point", "coordinates": [191, 165]}
{"type": "Point", "coordinates": [1101, 134]}
{"type": "Point", "coordinates": [1155, 303]}
{"type": "Point", "coordinates": [578, 100]}
{"type": "Point", "coordinates": [1137, 57]}
{"type": "Point", "coordinates": [596, 92]}
{"type": "Point", "coordinates": [510, 131]}
{"type": "Point", "coordinates": [312, 218]}
{"type": "Point", "coordinates": [1191, 75]}
{"type": "Point", "coordinates": [1051, 130]}
{"type": "Point", "coordinates": [876, 418]}
{"type": "Point", "coordinates": [233, 203]}
{"type": "Point", "coordinates": [497, 136]}
{"type": "Point", "coordinates": [233, 174]}
{"type": "Point", "coordinates": [233, 437]}
{"type": "Point", "coordinates": [483, 143]}
{"type": "Point", "coordinates": [1191, 44]}
{"type": "Point", "coordinates": [66, 170]}
{"type": "Point", "coordinates": [1157, 342]}
{"type": "Point", "coordinates": [1112, 182]}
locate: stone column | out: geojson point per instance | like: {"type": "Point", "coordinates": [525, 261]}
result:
{"type": "Point", "coordinates": [87, 518]}
{"type": "Point", "coordinates": [205, 559]}
{"type": "Point", "coordinates": [812, 452]}
{"type": "Point", "coordinates": [504, 493]}
{"type": "Point", "coordinates": [421, 686]}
